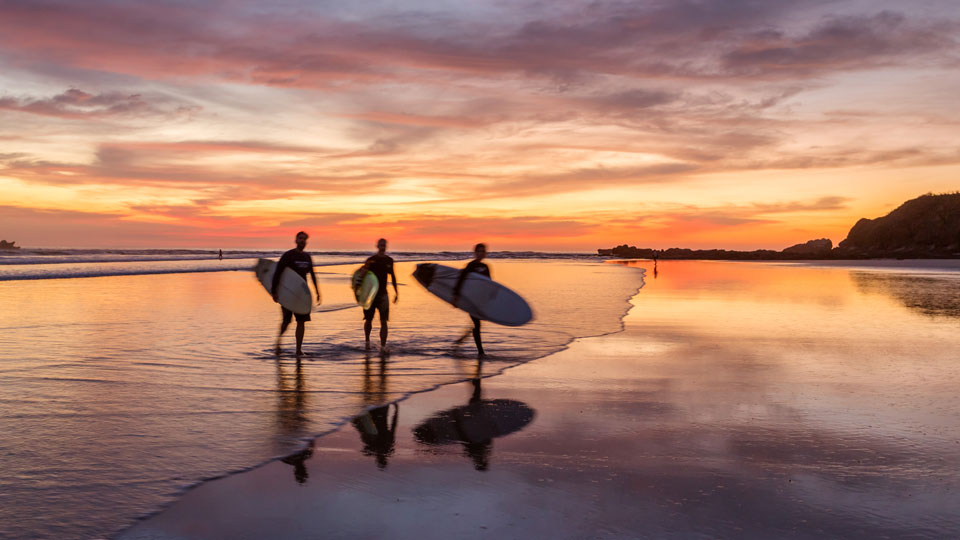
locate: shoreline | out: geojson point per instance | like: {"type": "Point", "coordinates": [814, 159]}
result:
{"type": "Point", "coordinates": [435, 394]}
{"type": "Point", "coordinates": [656, 430]}
{"type": "Point", "coordinates": [342, 423]}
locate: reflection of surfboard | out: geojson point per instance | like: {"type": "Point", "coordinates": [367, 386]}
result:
{"type": "Point", "coordinates": [294, 294]}
{"type": "Point", "coordinates": [480, 296]}
{"type": "Point", "coordinates": [365, 291]}
{"type": "Point", "coordinates": [480, 421]}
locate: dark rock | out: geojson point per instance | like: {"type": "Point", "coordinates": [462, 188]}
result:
{"type": "Point", "coordinates": [928, 226]}
{"type": "Point", "coordinates": [813, 247]}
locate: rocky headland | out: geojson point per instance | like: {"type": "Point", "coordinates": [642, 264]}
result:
{"type": "Point", "coordinates": [927, 227]}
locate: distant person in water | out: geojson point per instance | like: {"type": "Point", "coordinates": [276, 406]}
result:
{"type": "Point", "coordinates": [476, 265]}
{"type": "Point", "coordinates": [220, 255]}
{"type": "Point", "coordinates": [381, 265]}
{"type": "Point", "coordinates": [300, 262]}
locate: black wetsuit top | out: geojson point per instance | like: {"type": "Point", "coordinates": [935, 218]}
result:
{"type": "Point", "coordinates": [299, 261]}
{"type": "Point", "coordinates": [381, 266]}
{"type": "Point", "coordinates": [473, 266]}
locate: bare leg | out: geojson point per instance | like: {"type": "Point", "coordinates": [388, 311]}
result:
{"type": "Point", "coordinates": [283, 328]}
{"type": "Point", "coordinates": [367, 327]}
{"type": "Point", "coordinates": [383, 334]}
{"type": "Point", "coordinates": [465, 335]}
{"type": "Point", "coordinates": [476, 336]}
{"type": "Point", "coordinates": [301, 327]}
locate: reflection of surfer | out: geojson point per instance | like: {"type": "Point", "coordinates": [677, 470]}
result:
{"type": "Point", "coordinates": [475, 425]}
{"type": "Point", "coordinates": [479, 252]}
{"type": "Point", "coordinates": [380, 264]}
{"type": "Point", "coordinates": [292, 420]}
{"type": "Point", "coordinates": [378, 433]}
{"type": "Point", "coordinates": [478, 450]}
{"type": "Point", "coordinates": [300, 262]}
{"type": "Point", "coordinates": [298, 461]}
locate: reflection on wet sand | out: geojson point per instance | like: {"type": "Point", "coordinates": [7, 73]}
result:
{"type": "Point", "coordinates": [934, 296]}
{"type": "Point", "coordinates": [292, 420]}
{"type": "Point", "coordinates": [378, 431]}
{"type": "Point", "coordinates": [475, 425]}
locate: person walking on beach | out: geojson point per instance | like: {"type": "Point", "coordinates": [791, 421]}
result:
{"type": "Point", "coordinates": [300, 262]}
{"type": "Point", "coordinates": [476, 265]}
{"type": "Point", "coordinates": [380, 264]}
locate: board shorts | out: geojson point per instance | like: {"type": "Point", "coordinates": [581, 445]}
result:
{"type": "Point", "coordinates": [382, 305]}
{"type": "Point", "coordinates": [288, 315]}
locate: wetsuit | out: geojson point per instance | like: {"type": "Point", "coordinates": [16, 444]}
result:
{"type": "Point", "coordinates": [381, 266]}
{"type": "Point", "coordinates": [484, 270]}
{"type": "Point", "coordinates": [301, 263]}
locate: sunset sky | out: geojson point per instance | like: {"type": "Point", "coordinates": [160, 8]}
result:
{"type": "Point", "coordinates": [546, 125]}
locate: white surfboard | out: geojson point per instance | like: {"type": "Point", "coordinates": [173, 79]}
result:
{"type": "Point", "coordinates": [294, 294]}
{"type": "Point", "coordinates": [480, 296]}
{"type": "Point", "coordinates": [365, 291]}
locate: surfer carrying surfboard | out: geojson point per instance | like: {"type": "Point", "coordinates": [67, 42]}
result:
{"type": "Point", "coordinates": [479, 252]}
{"type": "Point", "coordinates": [380, 264]}
{"type": "Point", "coordinates": [300, 262]}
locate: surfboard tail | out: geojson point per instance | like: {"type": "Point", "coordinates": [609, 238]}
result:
{"type": "Point", "coordinates": [424, 273]}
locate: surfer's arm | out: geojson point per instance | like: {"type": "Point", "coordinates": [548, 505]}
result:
{"type": "Point", "coordinates": [365, 268]}
{"type": "Point", "coordinates": [316, 287]}
{"type": "Point", "coordinates": [281, 264]}
{"type": "Point", "coordinates": [396, 293]}
{"type": "Point", "coordinates": [459, 285]}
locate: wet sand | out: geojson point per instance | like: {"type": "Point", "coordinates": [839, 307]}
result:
{"type": "Point", "coordinates": [740, 401]}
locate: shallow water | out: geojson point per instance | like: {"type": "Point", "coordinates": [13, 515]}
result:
{"type": "Point", "coordinates": [116, 392]}
{"type": "Point", "coordinates": [742, 400]}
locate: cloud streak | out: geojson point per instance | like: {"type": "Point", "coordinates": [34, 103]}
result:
{"type": "Point", "coordinates": [77, 104]}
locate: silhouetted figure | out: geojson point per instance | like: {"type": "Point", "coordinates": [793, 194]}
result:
{"type": "Point", "coordinates": [300, 262]}
{"type": "Point", "coordinates": [479, 252]}
{"type": "Point", "coordinates": [220, 255]}
{"type": "Point", "coordinates": [381, 265]}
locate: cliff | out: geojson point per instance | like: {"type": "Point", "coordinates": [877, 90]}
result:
{"type": "Point", "coordinates": [928, 226]}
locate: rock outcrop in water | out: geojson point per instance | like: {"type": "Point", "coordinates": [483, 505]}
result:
{"type": "Point", "coordinates": [8, 245]}
{"type": "Point", "coordinates": [927, 227]}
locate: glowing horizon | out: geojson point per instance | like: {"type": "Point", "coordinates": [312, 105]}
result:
{"type": "Point", "coordinates": [732, 124]}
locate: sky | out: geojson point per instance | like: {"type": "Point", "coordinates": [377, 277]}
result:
{"type": "Point", "coordinates": [530, 125]}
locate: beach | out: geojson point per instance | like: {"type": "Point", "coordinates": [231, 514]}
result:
{"type": "Point", "coordinates": [732, 400]}
{"type": "Point", "coordinates": [683, 425]}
